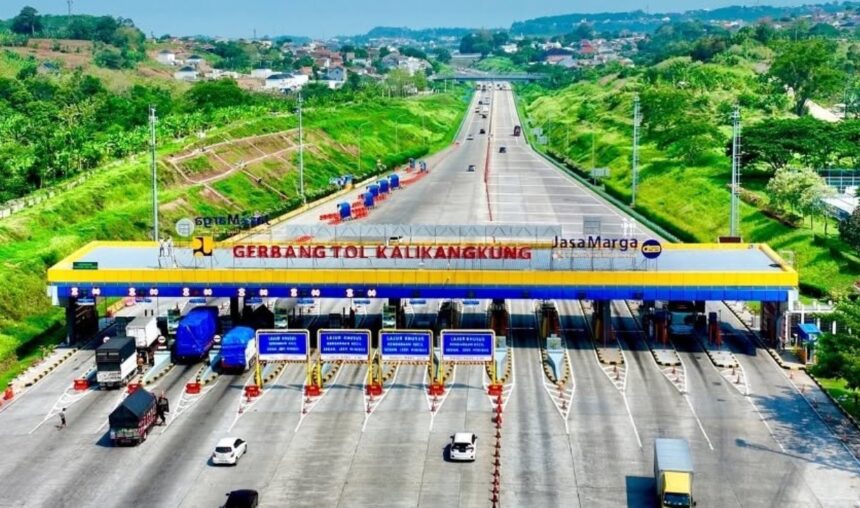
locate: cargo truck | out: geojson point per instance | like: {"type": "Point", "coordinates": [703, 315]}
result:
{"type": "Point", "coordinates": [673, 472]}
{"type": "Point", "coordinates": [238, 349]}
{"type": "Point", "coordinates": [116, 362]}
{"type": "Point", "coordinates": [145, 331]}
{"type": "Point", "coordinates": [195, 334]}
{"type": "Point", "coordinates": [131, 421]}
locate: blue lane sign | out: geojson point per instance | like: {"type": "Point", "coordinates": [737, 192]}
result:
{"type": "Point", "coordinates": [283, 344]}
{"type": "Point", "coordinates": [418, 301]}
{"type": "Point", "coordinates": [305, 301]}
{"type": "Point", "coordinates": [362, 301]}
{"type": "Point", "coordinates": [344, 344]}
{"type": "Point", "coordinates": [468, 345]}
{"type": "Point", "coordinates": [405, 345]}
{"type": "Point", "coordinates": [471, 302]}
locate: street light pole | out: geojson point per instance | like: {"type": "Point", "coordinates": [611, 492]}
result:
{"type": "Point", "coordinates": [301, 152]}
{"type": "Point", "coordinates": [152, 120]}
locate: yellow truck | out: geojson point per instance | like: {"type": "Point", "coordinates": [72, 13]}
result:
{"type": "Point", "coordinates": [673, 471]}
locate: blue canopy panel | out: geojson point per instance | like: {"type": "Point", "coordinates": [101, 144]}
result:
{"type": "Point", "coordinates": [808, 331]}
{"type": "Point", "coordinates": [690, 293]}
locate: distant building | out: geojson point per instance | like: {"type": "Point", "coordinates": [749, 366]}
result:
{"type": "Point", "coordinates": [285, 82]}
{"type": "Point", "coordinates": [305, 71]}
{"type": "Point", "coordinates": [186, 73]}
{"type": "Point", "coordinates": [262, 73]}
{"type": "Point", "coordinates": [194, 60]}
{"type": "Point", "coordinates": [166, 57]}
{"type": "Point", "coordinates": [337, 74]}
{"type": "Point", "coordinates": [510, 48]}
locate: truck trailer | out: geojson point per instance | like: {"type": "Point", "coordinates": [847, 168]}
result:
{"type": "Point", "coordinates": [238, 349]}
{"type": "Point", "coordinates": [195, 334]}
{"type": "Point", "coordinates": [131, 420]}
{"type": "Point", "coordinates": [673, 472]}
{"type": "Point", "coordinates": [116, 362]}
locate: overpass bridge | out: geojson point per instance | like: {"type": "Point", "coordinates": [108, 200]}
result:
{"type": "Point", "coordinates": [481, 76]}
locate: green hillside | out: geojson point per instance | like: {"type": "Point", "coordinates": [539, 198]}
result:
{"type": "Point", "coordinates": [114, 204]}
{"type": "Point", "coordinates": [684, 171]}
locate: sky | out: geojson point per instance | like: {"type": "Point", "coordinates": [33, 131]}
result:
{"type": "Point", "coordinates": [324, 18]}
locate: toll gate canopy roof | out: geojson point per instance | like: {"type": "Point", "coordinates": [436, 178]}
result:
{"type": "Point", "coordinates": [614, 269]}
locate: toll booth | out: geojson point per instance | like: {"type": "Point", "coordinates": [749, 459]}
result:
{"type": "Point", "coordinates": [773, 322]}
{"type": "Point", "coordinates": [383, 186]}
{"type": "Point", "coordinates": [394, 181]}
{"type": "Point", "coordinates": [807, 335]}
{"type": "Point", "coordinates": [369, 200]}
{"type": "Point", "coordinates": [374, 190]}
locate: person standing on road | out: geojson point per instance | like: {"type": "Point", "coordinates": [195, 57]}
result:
{"type": "Point", "coordinates": [62, 419]}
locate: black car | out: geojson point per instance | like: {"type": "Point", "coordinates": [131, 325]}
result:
{"type": "Point", "coordinates": [244, 498]}
{"type": "Point", "coordinates": [503, 149]}
{"type": "Point", "coordinates": [482, 131]}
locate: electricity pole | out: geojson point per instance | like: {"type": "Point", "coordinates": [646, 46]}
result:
{"type": "Point", "coordinates": [152, 121]}
{"type": "Point", "coordinates": [734, 215]}
{"type": "Point", "coordinates": [637, 121]}
{"type": "Point", "coordinates": [301, 153]}
{"type": "Point", "coordinates": [69, 3]}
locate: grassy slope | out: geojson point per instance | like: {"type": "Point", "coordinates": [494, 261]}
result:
{"type": "Point", "coordinates": [847, 399]}
{"type": "Point", "coordinates": [498, 64]}
{"type": "Point", "coordinates": [114, 204]}
{"type": "Point", "coordinates": [692, 202]}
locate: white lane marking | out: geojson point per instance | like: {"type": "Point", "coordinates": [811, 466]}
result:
{"type": "Point", "coordinates": [66, 399]}
{"type": "Point", "coordinates": [188, 401]}
{"type": "Point", "coordinates": [123, 394]}
{"type": "Point", "coordinates": [698, 421]}
{"type": "Point", "coordinates": [316, 400]}
{"type": "Point", "coordinates": [764, 421]}
{"type": "Point", "coordinates": [244, 407]}
{"type": "Point", "coordinates": [371, 404]}
{"type": "Point", "coordinates": [439, 402]}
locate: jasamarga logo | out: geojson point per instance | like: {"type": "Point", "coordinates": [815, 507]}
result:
{"type": "Point", "coordinates": [596, 242]}
{"type": "Point", "coordinates": [232, 220]}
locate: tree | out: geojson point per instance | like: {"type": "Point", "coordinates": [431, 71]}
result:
{"type": "Point", "coordinates": [809, 69]}
{"type": "Point", "coordinates": [220, 93]}
{"type": "Point", "coordinates": [442, 55]}
{"type": "Point", "coordinates": [849, 230]}
{"type": "Point", "coordinates": [27, 22]}
{"type": "Point", "coordinates": [801, 190]}
{"type": "Point", "coordinates": [838, 355]}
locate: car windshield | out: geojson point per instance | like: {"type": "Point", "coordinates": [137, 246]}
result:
{"type": "Point", "coordinates": [461, 447]}
{"type": "Point", "coordinates": [223, 449]}
{"type": "Point", "coordinates": [680, 500]}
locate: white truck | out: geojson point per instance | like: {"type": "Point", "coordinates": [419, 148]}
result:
{"type": "Point", "coordinates": [144, 330]}
{"type": "Point", "coordinates": [673, 472]}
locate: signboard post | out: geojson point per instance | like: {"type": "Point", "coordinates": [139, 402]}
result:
{"type": "Point", "coordinates": [346, 345]}
{"type": "Point", "coordinates": [468, 345]}
{"type": "Point", "coordinates": [405, 345]}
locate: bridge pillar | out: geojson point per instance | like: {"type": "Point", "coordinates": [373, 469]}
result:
{"type": "Point", "coordinates": [235, 315]}
{"type": "Point", "coordinates": [773, 323]}
{"type": "Point", "coordinates": [71, 329]}
{"type": "Point", "coordinates": [602, 322]}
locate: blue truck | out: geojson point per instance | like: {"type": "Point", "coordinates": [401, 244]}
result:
{"type": "Point", "coordinates": [238, 349]}
{"type": "Point", "coordinates": [195, 334]}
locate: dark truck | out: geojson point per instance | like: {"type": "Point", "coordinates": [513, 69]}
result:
{"type": "Point", "coordinates": [517, 130]}
{"type": "Point", "coordinates": [116, 362]}
{"type": "Point", "coordinates": [131, 420]}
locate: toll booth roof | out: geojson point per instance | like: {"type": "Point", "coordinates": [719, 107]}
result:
{"type": "Point", "coordinates": [708, 258]}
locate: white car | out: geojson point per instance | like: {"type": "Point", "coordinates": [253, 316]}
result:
{"type": "Point", "coordinates": [228, 450]}
{"type": "Point", "coordinates": [470, 137]}
{"type": "Point", "coordinates": [463, 447]}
